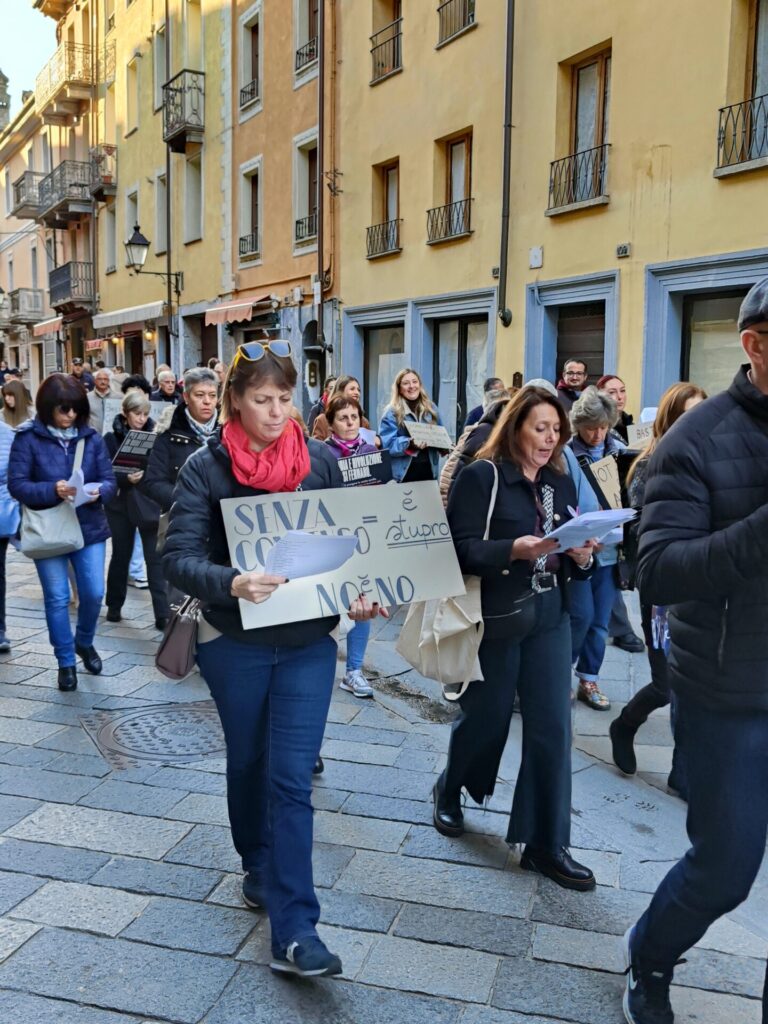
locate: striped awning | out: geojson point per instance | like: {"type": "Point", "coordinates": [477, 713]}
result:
{"type": "Point", "coordinates": [129, 315]}
{"type": "Point", "coordinates": [47, 326]}
{"type": "Point", "coordinates": [233, 312]}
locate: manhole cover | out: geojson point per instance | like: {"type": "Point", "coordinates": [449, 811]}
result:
{"type": "Point", "coordinates": [162, 734]}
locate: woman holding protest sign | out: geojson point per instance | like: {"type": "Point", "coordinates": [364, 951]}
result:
{"type": "Point", "coordinates": [501, 509]}
{"type": "Point", "coordinates": [411, 460]}
{"type": "Point", "coordinates": [272, 686]}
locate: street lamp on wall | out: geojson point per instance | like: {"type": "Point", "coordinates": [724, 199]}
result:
{"type": "Point", "coordinates": [136, 249]}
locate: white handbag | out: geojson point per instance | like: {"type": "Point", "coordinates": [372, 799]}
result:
{"type": "Point", "coordinates": [49, 532]}
{"type": "Point", "coordinates": [441, 638]}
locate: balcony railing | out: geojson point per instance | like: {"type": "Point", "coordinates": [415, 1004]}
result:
{"type": "Point", "coordinates": [578, 178]}
{"type": "Point", "coordinates": [449, 221]}
{"type": "Point", "coordinates": [103, 171]}
{"type": "Point", "coordinates": [453, 17]}
{"type": "Point", "coordinates": [26, 194]}
{"type": "Point", "coordinates": [71, 285]}
{"type": "Point", "coordinates": [107, 64]}
{"type": "Point", "coordinates": [68, 183]}
{"type": "Point", "coordinates": [249, 93]}
{"type": "Point", "coordinates": [387, 51]}
{"type": "Point", "coordinates": [743, 132]}
{"type": "Point", "coordinates": [306, 228]}
{"type": "Point", "coordinates": [71, 65]}
{"type": "Point", "coordinates": [27, 305]}
{"type": "Point", "coordinates": [306, 54]}
{"type": "Point", "coordinates": [249, 245]}
{"type": "Point", "coordinates": [383, 238]}
{"type": "Point", "coordinates": [184, 109]}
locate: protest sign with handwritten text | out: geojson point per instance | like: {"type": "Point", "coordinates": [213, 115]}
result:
{"type": "Point", "coordinates": [606, 474]}
{"type": "Point", "coordinates": [639, 434]}
{"type": "Point", "coordinates": [404, 548]}
{"type": "Point", "coordinates": [431, 434]}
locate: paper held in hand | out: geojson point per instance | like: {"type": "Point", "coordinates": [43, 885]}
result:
{"type": "Point", "coordinates": [430, 434]}
{"type": "Point", "coordinates": [299, 554]}
{"type": "Point", "coordinates": [592, 525]}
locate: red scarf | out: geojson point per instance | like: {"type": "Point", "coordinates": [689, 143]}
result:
{"type": "Point", "coordinates": [281, 466]}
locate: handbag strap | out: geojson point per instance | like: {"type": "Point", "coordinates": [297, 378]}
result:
{"type": "Point", "coordinates": [79, 454]}
{"type": "Point", "coordinates": [492, 503]}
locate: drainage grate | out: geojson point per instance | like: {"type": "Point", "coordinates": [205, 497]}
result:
{"type": "Point", "coordinates": [161, 734]}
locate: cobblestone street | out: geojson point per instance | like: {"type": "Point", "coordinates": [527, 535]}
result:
{"type": "Point", "coordinates": [120, 891]}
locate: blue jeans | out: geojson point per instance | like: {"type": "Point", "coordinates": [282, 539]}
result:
{"type": "Point", "coordinates": [726, 757]}
{"type": "Point", "coordinates": [88, 566]}
{"type": "Point", "coordinates": [136, 569]}
{"type": "Point", "coordinates": [3, 553]}
{"type": "Point", "coordinates": [273, 703]}
{"type": "Point", "coordinates": [357, 641]}
{"type": "Point", "coordinates": [591, 603]}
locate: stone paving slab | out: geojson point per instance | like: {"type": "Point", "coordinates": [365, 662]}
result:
{"type": "Point", "coordinates": [361, 833]}
{"type": "Point", "coordinates": [530, 986]}
{"type": "Point", "coordinates": [14, 808]}
{"type": "Point", "coordinates": [15, 887]}
{"type": "Point", "coordinates": [604, 910]}
{"type": "Point", "coordinates": [49, 861]}
{"type": "Point", "coordinates": [482, 850]}
{"type": "Point", "coordinates": [17, 1006]}
{"type": "Point", "coordinates": [198, 927]}
{"type": "Point", "coordinates": [156, 879]}
{"type": "Point", "coordinates": [359, 753]}
{"type": "Point", "coordinates": [93, 765]}
{"type": "Point", "coordinates": [131, 798]}
{"type": "Point", "coordinates": [578, 948]}
{"type": "Point", "coordinates": [206, 846]}
{"type": "Point", "coordinates": [200, 808]}
{"type": "Point", "coordinates": [87, 908]}
{"type": "Point", "coordinates": [363, 913]}
{"type": "Point", "coordinates": [22, 730]}
{"type": "Point", "coordinates": [54, 787]}
{"type": "Point", "coordinates": [465, 929]}
{"type": "Point", "coordinates": [14, 934]}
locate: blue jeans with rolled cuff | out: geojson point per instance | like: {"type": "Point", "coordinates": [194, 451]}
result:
{"type": "Point", "coordinates": [357, 641]}
{"type": "Point", "coordinates": [273, 703]}
{"type": "Point", "coordinates": [591, 603]}
{"type": "Point", "coordinates": [88, 566]}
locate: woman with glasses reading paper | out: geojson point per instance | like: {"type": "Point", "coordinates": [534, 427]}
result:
{"type": "Point", "coordinates": [272, 686]}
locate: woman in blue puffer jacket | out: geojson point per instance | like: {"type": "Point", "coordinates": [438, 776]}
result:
{"type": "Point", "coordinates": [9, 522]}
{"type": "Point", "coordinates": [41, 463]}
{"type": "Point", "coordinates": [411, 460]}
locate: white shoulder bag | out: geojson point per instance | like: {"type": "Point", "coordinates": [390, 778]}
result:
{"type": "Point", "coordinates": [48, 532]}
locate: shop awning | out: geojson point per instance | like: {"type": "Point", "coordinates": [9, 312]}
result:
{"type": "Point", "coordinates": [95, 344]}
{"type": "Point", "coordinates": [233, 312]}
{"type": "Point", "coordinates": [47, 326]}
{"type": "Point", "coordinates": [129, 315]}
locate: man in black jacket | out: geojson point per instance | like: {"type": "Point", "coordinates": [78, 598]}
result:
{"type": "Point", "coordinates": [704, 553]}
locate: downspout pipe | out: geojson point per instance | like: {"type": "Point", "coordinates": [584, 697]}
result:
{"type": "Point", "coordinates": [320, 168]}
{"type": "Point", "coordinates": [504, 313]}
{"type": "Point", "coordinates": [173, 354]}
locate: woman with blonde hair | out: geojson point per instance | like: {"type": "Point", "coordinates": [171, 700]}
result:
{"type": "Point", "coordinates": [16, 409]}
{"type": "Point", "coordinates": [411, 460]}
{"type": "Point", "coordinates": [345, 387]}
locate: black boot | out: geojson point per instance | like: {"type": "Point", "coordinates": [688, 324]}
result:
{"type": "Point", "coordinates": [622, 745]}
{"type": "Point", "coordinates": [319, 767]}
{"type": "Point", "coordinates": [447, 817]}
{"type": "Point", "coordinates": [560, 867]}
{"type": "Point", "coordinates": [113, 615]}
{"type": "Point", "coordinates": [68, 678]}
{"type": "Point", "coordinates": [90, 658]}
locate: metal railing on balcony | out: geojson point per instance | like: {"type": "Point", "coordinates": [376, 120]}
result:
{"type": "Point", "coordinates": [578, 178]}
{"type": "Point", "coordinates": [67, 183]}
{"type": "Point", "coordinates": [306, 228]}
{"type": "Point", "coordinates": [383, 238]}
{"type": "Point", "coordinates": [387, 50]}
{"type": "Point", "coordinates": [249, 245]}
{"type": "Point", "coordinates": [107, 64]}
{"type": "Point", "coordinates": [103, 170]}
{"type": "Point", "coordinates": [27, 305]}
{"type": "Point", "coordinates": [306, 53]}
{"type": "Point", "coordinates": [453, 17]}
{"type": "Point", "coordinates": [449, 221]}
{"type": "Point", "coordinates": [71, 284]}
{"type": "Point", "coordinates": [743, 132]}
{"type": "Point", "coordinates": [249, 93]}
{"type": "Point", "coordinates": [184, 105]}
{"type": "Point", "coordinates": [71, 64]}
{"type": "Point", "coordinates": [26, 194]}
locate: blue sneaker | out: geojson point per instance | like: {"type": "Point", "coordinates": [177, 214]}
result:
{"type": "Point", "coordinates": [308, 959]}
{"type": "Point", "coordinates": [646, 999]}
{"type": "Point", "coordinates": [253, 893]}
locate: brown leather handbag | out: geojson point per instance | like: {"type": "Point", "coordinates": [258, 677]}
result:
{"type": "Point", "coordinates": [175, 656]}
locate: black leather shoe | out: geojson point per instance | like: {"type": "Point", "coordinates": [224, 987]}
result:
{"type": "Point", "coordinates": [319, 767]}
{"type": "Point", "coordinates": [447, 816]}
{"type": "Point", "coordinates": [90, 659]}
{"type": "Point", "coordinates": [113, 615]}
{"type": "Point", "coordinates": [630, 642]}
{"type": "Point", "coordinates": [560, 867]}
{"type": "Point", "coordinates": [68, 678]}
{"type": "Point", "coordinates": [161, 623]}
{"type": "Point", "coordinates": [623, 746]}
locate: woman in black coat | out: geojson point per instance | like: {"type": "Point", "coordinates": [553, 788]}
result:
{"type": "Point", "coordinates": [526, 647]}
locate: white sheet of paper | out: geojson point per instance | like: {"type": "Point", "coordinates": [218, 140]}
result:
{"type": "Point", "coordinates": [85, 492]}
{"type": "Point", "coordinates": [298, 554]}
{"type": "Point", "coordinates": [598, 525]}
{"type": "Point", "coordinates": [368, 435]}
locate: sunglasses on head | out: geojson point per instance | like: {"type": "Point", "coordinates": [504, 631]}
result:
{"type": "Point", "coordinates": [252, 351]}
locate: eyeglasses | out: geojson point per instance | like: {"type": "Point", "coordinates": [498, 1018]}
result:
{"type": "Point", "coordinates": [252, 351]}
{"type": "Point", "coordinates": [65, 408]}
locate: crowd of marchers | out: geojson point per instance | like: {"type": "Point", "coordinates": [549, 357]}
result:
{"type": "Point", "coordinates": [697, 554]}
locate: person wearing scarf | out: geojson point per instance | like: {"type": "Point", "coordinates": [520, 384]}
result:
{"type": "Point", "coordinates": [272, 686]}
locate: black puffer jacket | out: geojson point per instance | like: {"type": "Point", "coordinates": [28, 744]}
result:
{"type": "Point", "coordinates": [196, 556]}
{"type": "Point", "coordinates": [171, 450]}
{"type": "Point", "coordinates": [704, 547]}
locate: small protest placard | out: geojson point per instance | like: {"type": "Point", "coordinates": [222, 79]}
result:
{"type": "Point", "coordinates": [362, 470]}
{"type": "Point", "coordinates": [606, 473]}
{"type": "Point", "coordinates": [133, 453]}
{"type": "Point", "coordinates": [639, 434]}
{"type": "Point", "coordinates": [113, 406]}
{"type": "Point", "coordinates": [431, 434]}
{"type": "Point", "coordinates": [404, 549]}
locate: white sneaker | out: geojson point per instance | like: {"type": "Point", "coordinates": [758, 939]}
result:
{"type": "Point", "coordinates": [356, 683]}
{"type": "Point", "coordinates": [140, 584]}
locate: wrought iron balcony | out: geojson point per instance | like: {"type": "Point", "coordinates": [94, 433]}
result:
{"type": "Point", "coordinates": [26, 195]}
{"type": "Point", "coordinates": [184, 109]}
{"type": "Point", "coordinates": [451, 221]}
{"type": "Point", "coordinates": [454, 16]}
{"type": "Point", "coordinates": [107, 64]}
{"type": "Point", "coordinates": [71, 286]}
{"type": "Point", "coordinates": [63, 87]}
{"type": "Point", "coordinates": [306, 228]}
{"type": "Point", "coordinates": [579, 178]}
{"type": "Point", "coordinates": [387, 51]}
{"type": "Point", "coordinates": [249, 93]}
{"type": "Point", "coordinates": [27, 305]}
{"type": "Point", "coordinates": [103, 171]}
{"type": "Point", "coordinates": [5, 313]}
{"type": "Point", "coordinates": [306, 54]}
{"type": "Point", "coordinates": [743, 132]}
{"type": "Point", "coordinates": [382, 239]}
{"type": "Point", "coordinates": [249, 246]}
{"type": "Point", "coordinates": [65, 193]}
